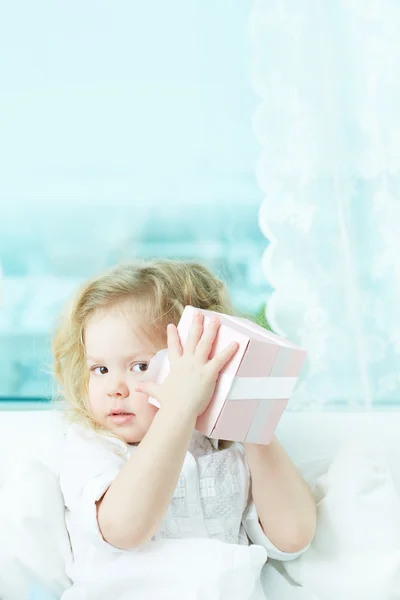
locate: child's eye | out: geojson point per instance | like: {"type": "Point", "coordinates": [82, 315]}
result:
{"type": "Point", "coordinates": [140, 365]}
{"type": "Point", "coordinates": [99, 370]}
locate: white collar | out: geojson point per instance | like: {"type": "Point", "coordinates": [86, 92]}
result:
{"type": "Point", "coordinates": [124, 446]}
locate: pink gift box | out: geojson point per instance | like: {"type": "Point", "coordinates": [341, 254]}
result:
{"type": "Point", "coordinates": [254, 388]}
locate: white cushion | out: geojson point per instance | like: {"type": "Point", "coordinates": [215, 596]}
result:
{"type": "Point", "coordinates": [36, 434]}
{"type": "Point", "coordinates": [34, 545]}
{"type": "Point", "coordinates": [356, 551]}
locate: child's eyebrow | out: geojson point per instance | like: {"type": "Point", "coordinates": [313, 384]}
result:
{"type": "Point", "coordinates": [126, 358]}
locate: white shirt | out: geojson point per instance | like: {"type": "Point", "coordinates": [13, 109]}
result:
{"type": "Point", "coordinates": [211, 501]}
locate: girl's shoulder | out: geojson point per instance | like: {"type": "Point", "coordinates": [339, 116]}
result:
{"type": "Point", "coordinates": [88, 457]}
{"type": "Point", "coordinates": [80, 437]}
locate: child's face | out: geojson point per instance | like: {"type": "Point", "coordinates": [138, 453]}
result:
{"type": "Point", "coordinates": [117, 355]}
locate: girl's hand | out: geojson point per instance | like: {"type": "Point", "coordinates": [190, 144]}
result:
{"type": "Point", "coordinates": [191, 381]}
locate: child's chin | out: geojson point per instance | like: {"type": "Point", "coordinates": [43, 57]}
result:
{"type": "Point", "coordinates": [130, 438]}
{"type": "Point", "coordinates": [130, 433]}
{"type": "Point", "coordinates": [133, 440]}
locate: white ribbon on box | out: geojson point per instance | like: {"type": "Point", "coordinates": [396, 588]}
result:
{"type": "Point", "coordinates": [261, 388]}
{"type": "Point", "coordinates": [269, 390]}
{"type": "Point", "coordinates": [255, 388]}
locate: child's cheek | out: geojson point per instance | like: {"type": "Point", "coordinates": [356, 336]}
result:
{"type": "Point", "coordinates": [95, 386]}
{"type": "Point", "coordinates": [148, 410]}
{"type": "Point", "coordinates": [91, 384]}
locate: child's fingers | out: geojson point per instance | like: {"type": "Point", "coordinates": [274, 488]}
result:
{"type": "Point", "coordinates": [174, 343]}
{"type": "Point", "coordinates": [208, 338]}
{"type": "Point", "coordinates": [220, 360]}
{"type": "Point", "coordinates": [148, 387]}
{"type": "Point", "coordinates": [195, 333]}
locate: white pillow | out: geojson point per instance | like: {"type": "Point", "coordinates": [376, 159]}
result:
{"type": "Point", "coordinates": [40, 437]}
{"type": "Point", "coordinates": [356, 551]}
{"type": "Point", "coordinates": [34, 545]}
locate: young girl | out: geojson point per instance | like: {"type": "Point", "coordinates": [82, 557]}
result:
{"type": "Point", "coordinates": [143, 489]}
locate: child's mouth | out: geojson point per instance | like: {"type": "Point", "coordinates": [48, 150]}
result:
{"type": "Point", "coordinates": [121, 418]}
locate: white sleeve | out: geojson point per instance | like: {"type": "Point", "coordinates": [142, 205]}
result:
{"type": "Point", "coordinates": [90, 464]}
{"type": "Point", "coordinates": [257, 536]}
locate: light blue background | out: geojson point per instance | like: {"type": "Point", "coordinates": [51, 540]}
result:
{"type": "Point", "coordinates": [126, 132]}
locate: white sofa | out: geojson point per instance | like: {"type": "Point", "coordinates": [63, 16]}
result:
{"type": "Point", "coordinates": [39, 434]}
{"type": "Point", "coordinates": [357, 492]}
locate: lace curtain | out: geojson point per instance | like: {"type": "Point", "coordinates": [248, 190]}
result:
{"type": "Point", "coordinates": [328, 123]}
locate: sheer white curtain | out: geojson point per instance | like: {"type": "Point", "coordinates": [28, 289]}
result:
{"type": "Point", "coordinates": [328, 123]}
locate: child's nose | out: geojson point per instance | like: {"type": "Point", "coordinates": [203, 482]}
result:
{"type": "Point", "coordinates": [119, 389]}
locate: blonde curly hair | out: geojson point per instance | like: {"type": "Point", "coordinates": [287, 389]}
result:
{"type": "Point", "coordinates": [160, 288]}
